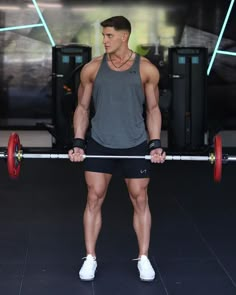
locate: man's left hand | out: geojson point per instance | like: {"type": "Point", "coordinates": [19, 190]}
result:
{"type": "Point", "coordinates": [158, 155]}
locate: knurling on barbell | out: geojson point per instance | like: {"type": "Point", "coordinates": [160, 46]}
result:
{"type": "Point", "coordinates": [15, 155]}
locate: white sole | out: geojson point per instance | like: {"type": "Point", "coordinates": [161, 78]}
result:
{"type": "Point", "coordinates": [147, 280]}
{"type": "Point", "coordinates": [87, 280]}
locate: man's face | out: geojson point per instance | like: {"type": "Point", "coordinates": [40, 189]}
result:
{"type": "Point", "coordinates": [112, 39]}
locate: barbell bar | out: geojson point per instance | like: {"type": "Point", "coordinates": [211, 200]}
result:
{"type": "Point", "coordinates": [15, 154]}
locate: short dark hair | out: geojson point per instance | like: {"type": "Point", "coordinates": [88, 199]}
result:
{"type": "Point", "coordinates": [118, 23]}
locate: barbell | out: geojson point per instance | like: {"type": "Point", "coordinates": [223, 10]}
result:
{"type": "Point", "coordinates": [14, 155]}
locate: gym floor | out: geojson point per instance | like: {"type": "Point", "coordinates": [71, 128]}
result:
{"type": "Point", "coordinates": [193, 235]}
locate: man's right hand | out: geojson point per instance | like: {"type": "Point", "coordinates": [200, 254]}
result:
{"type": "Point", "coordinates": [76, 154]}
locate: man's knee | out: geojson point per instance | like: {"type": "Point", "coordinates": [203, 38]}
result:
{"type": "Point", "coordinates": [139, 199]}
{"type": "Point", "coordinates": [137, 188]}
{"type": "Point", "coordinates": [95, 197]}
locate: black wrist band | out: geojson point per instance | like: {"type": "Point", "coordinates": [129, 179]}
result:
{"type": "Point", "coordinates": [154, 144]}
{"type": "Point", "coordinates": [79, 143]}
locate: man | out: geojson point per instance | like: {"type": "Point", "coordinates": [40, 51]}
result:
{"type": "Point", "coordinates": [120, 82]}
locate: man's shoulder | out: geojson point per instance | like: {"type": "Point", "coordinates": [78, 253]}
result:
{"type": "Point", "coordinates": [95, 62]}
{"type": "Point", "coordinates": [145, 61]}
{"type": "Point", "coordinates": [90, 69]}
{"type": "Point", "coordinates": [147, 65]}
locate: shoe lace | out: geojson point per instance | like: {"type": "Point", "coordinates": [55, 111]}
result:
{"type": "Point", "coordinates": [88, 256]}
{"type": "Point", "coordinates": [143, 257]}
{"type": "Point", "coordinates": [89, 262]}
{"type": "Point", "coordinates": [145, 261]}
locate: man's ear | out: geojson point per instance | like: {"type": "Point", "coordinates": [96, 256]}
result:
{"type": "Point", "coordinates": [124, 36]}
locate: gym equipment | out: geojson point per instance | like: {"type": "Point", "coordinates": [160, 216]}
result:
{"type": "Point", "coordinates": [15, 154]}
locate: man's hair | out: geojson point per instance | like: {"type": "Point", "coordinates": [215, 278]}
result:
{"type": "Point", "coordinates": [118, 23]}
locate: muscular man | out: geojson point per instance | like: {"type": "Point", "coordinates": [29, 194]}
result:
{"type": "Point", "coordinates": [120, 82]}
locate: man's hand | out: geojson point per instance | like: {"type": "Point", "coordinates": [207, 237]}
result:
{"type": "Point", "coordinates": [76, 154]}
{"type": "Point", "coordinates": [158, 155]}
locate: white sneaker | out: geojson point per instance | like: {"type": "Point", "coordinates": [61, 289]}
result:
{"type": "Point", "coordinates": [146, 271]}
{"type": "Point", "coordinates": [87, 271]}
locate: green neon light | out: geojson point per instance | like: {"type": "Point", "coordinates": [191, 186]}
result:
{"type": "Point", "coordinates": [220, 37]}
{"type": "Point", "coordinates": [20, 27]}
{"type": "Point", "coordinates": [226, 52]}
{"type": "Point", "coordinates": [43, 22]}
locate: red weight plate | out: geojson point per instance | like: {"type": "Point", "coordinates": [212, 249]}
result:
{"type": "Point", "coordinates": [218, 158]}
{"type": "Point", "coordinates": [13, 164]}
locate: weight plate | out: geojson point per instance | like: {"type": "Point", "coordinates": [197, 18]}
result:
{"type": "Point", "coordinates": [13, 164]}
{"type": "Point", "coordinates": [218, 158]}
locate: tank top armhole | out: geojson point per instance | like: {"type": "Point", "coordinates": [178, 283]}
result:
{"type": "Point", "coordinates": [101, 66]}
{"type": "Point", "coordinates": [136, 64]}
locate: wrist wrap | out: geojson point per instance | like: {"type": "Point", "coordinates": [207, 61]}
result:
{"type": "Point", "coordinates": [79, 143]}
{"type": "Point", "coordinates": [154, 144]}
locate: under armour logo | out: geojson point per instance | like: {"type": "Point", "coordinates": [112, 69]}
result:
{"type": "Point", "coordinates": [143, 171]}
{"type": "Point", "coordinates": [132, 72]}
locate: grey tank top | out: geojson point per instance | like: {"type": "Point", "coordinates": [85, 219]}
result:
{"type": "Point", "coordinates": [118, 99]}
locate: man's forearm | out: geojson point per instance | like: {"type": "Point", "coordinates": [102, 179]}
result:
{"type": "Point", "coordinates": [80, 122]}
{"type": "Point", "coordinates": [154, 121]}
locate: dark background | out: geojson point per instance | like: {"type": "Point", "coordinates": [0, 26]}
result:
{"type": "Point", "coordinates": [26, 54]}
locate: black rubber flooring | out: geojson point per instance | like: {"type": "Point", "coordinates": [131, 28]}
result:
{"type": "Point", "coordinates": [193, 241]}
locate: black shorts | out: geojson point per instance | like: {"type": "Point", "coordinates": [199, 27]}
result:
{"type": "Point", "coordinates": [130, 168]}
